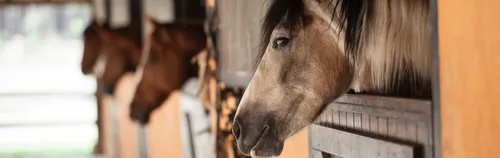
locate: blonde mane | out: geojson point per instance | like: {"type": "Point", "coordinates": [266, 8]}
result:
{"type": "Point", "coordinates": [391, 47]}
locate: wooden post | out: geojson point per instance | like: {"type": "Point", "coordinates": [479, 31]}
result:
{"type": "Point", "coordinates": [107, 13]}
{"type": "Point", "coordinates": [469, 53]}
{"type": "Point", "coordinates": [136, 22]}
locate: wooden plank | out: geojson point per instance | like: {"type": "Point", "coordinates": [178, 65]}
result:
{"type": "Point", "coordinates": [331, 115]}
{"type": "Point", "coordinates": [109, 133]}
{"type": "Point", "coordinates": [164, 129]}
{"type": "Point", "coordinates": [365, 122]}
{"type": "Point", "coordinates": [350, 120]}
{"type": "Point", "coordinates": [238, 39]}
{"type": "Point", "coordinates": [374, 124]}
{"type": "Point", "coordinates": [411, 131]}
{"type": "Point", "coordinates": [391, 127]}
{"type": "Point", "coordinates": [127, 129]}
{"type": "Point", "coordinates": [382, 126]}
{"type": "Point", "coordinates": [383, 112]}
{"type": "Point", "coordinates": [336, 117]}
{"type": "Point", "coordinates": [296, 146]}
{"type": "Point", "coordinates": [316, 154]}
{"type": "Point", "coordinates": [410, 105]}
{"type": "Point", "coordinates": [342, 119]}
{"type": "Point", "coordinates": [424, 136]}
{"type": "Point", "coordinates": [357, 121]}
{"type": "Point", "coordinates": [469, 61]}
{"type": "Point", "coordinates": [340, 143]}
{"type": "Point", "coordinates": [400, 129]}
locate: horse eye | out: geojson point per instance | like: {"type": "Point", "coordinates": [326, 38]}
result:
{"type": "Point", "coordinates": [281, 42]}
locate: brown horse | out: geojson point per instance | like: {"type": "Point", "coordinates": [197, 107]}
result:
{"type": "Point", "coordinates": [97, 43]}
{"type": "Point", "coordinates": [122, 56]}
{"type": "Point", "coordinates": [93, 48]}
{"type": "Point", "coordinates": [94, 37]}
{"type": "Point", "coordinates": [93, 45]}
{"type": "Point", "coordinates": [313, 51]}
{"type": "Point", "coordinates": [116, 49]}
{"type": "Point", "coordinates": [166, 64]}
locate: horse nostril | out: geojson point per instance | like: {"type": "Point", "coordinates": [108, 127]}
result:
{"type": "Point", "coordinates": [236, 130]}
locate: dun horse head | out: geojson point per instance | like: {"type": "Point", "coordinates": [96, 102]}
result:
{"type": "Point", "coordinates": [165, 65]}
{"type": "Point", "coordinates": [313, 51]}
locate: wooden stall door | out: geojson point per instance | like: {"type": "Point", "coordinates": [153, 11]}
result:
{"type": "Point", "coordinates": [297, 146]}
{"type": "Point", "coordinates": [107, 125]}
{"type": "Point", "coordinates": [164, 129]}
{"type": "Point", "coordinates": [469, 52]}
{"type": "Point", "coordinates": [128, 135]}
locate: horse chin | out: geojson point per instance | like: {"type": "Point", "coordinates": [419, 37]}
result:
{"type": "Point", "coordinates": [267, 147]}
{"type": "Point", "coordinates": [141, 115]}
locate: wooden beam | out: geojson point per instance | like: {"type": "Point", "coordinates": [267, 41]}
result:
{"type": "Point", "coordinates": [344, 144]}
{"type": "Point", "coordinates": [107, 13]}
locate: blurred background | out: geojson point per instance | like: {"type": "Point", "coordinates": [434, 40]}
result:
{"type": "Point", "coordinates": [47, 106]}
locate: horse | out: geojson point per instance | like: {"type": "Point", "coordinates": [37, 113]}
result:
{"type": "Point", "coordinates": [122, 56]}
{"type": "Point", "coordinates": [93, 45]}
{"type": "Point", "coordinates": [313, 51]}
{"type": "Point", "coordinates": [116, 49]}
{"type": "Point", "coordinates": [166, 64]}
{"type": "Point", "coordinates": [96, 42]}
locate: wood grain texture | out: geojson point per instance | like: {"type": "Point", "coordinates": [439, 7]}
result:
{"type": "Point", "coordinates": [469, 50]}
{"type": "Point", "coordinates": [347, 144]}
{"type": "Point", "coordinates": [296, 146]}
{"type": "Point", "coordinates": [109, 145]}
{"type": "Point", "coordinates": [165, 129]}
{"type": "Point", "coordinates": [128, 142]}
{"type": "Point", "coordinates": [381, 118]}
{"type": "Point", "coordinates": [238, 38]}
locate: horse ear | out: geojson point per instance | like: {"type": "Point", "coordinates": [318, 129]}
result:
{"type": "Point", "coordinates": [151, 21]}
{"type": "Point", "coordinates": [104, 34]}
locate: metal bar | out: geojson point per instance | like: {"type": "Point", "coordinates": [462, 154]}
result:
{"type": "Point", "coordinates": [143, 141]}
{"type": "Point", "coordinates": [190, 135]}
{"type": "Point", "coordinates": [115, 128]}
{"type": "Point", "coordinates": [436, 90]}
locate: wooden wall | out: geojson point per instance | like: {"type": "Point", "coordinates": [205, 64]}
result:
{"type": "Point", "coordinates": [469, 52]}
{"type": "Point", "coordinates": [239, 38]}
{"type": "Point", "coordinates": [297, 146]}
{"type": "Point", "coordinates": [164, 136]}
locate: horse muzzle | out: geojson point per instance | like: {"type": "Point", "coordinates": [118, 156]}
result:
{"type": "Point", "coordinates": [256, 139]}
{"type": "Point", "coordinates": [140, 114]}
